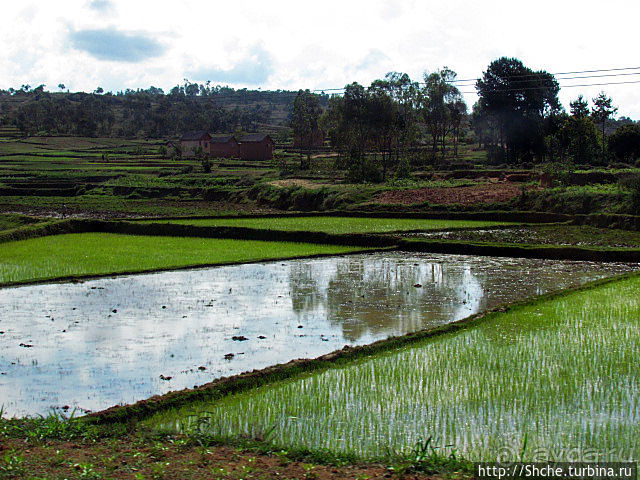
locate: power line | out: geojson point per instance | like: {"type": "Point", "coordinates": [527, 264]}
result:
{"type": "Point", "coordinates": [533, 76]}
{"type": "Point", "coordinates": [571, 78]}
{"type": "Point", "coordinates": [559, 73]}
{"type": "Point", "coordinates": [561, 86]}
{"type": "Point", "coordinates": [258, 96]}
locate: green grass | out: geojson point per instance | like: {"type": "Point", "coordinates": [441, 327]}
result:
{"type": "Point", "coordinates": [86, 254]}
{"type": "Point", "coordinates": [578, 235]}
{"type": "Point", "coordinates": [117, 205]}
{"type": "Point", "coordinates": [10, 221]}
{"type": "Point", "coordinates": [337, 225]}
{"type": "Point", "coordinates": [552, 380]}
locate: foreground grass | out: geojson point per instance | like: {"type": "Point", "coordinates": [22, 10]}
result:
{"type": "Point", "coordinates": [338, 225]}
{"type": "Point", "coordinates": [556, 379]}
{"type": "Point", "coordinates": [86, 254]}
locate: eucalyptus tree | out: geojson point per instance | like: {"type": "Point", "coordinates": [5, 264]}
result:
{"type": "Point", "coordinates": [603, 109]}
{"type": "Point", "coordinates": [304, 121]}
{"type": "Point", "coordinates": [442, 107]}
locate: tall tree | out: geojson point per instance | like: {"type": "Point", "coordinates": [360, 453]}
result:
{"type": "Point", "coordinates": [624, 143]}
{"type": "Point", "coordinates": [518, 99]}
{"type": "Point", "coordinates": [393, 101]}
{"type": "Point", "coordinates": [603, 109]}
{"type": "Point", "coordinates": [438, 104]}
{"type": "Point", "coordinates": [579, 107]}
{"type": "Point", "coordinates": [304, 121]}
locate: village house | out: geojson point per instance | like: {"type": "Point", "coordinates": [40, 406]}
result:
{"type": "Point", "coordinates": [192, 141]}
{"type": "Point", "coordinates": [256, 146]}
{"type": "Point", "coordinates": [171, 148]}
{"type": "Point", "coordinates": [224, 147]}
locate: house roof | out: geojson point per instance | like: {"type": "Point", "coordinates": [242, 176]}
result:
{"type": "Point", "coordinates": [197, 135]}
{"type": "Point", "coordinates": [223, 139]}
{"type": "Point", "coordinates": [254, 137]}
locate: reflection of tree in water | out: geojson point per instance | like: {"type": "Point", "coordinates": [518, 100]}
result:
{"type": "Point", "coordinates": [306, 294]}
{"type": "Point", "coordinates": [377, 296]}
{"type": "Point", "coordinates": [374, 295]}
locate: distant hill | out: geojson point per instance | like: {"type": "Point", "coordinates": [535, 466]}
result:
{"type": "Point", "coordinates": [148, 113]}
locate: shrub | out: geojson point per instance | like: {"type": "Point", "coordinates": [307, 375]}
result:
{"type": "Point", "coordinates": [403, 170]}
{"type": "Point", "coordinates": [632, 183]}
{"type": "Point", "coordinates": [364, 171]}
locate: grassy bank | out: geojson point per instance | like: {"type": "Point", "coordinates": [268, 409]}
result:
{"type": "Point", "coordinates": [89, 254]}
{"type": "Point", "coordinates": [574, 235]}
{"type": "Point", "coordinates": [339, 225]}
{"type": "Point", "coordinates": [554, 376]}
{"type": "Point", "coordinates": [11, 221]}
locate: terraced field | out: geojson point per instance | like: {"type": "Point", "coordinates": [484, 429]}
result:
{"type": "Point", "coordinates": [86, 254]}
{"type": "Point", "coordinates": [555, 379]}
{"type": "Point", "coordinates": [337, 225]}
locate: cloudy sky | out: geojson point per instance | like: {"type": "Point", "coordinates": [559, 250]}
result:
{"type": "Point", "coordinates": [287, 44]}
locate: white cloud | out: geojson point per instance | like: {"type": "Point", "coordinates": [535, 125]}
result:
{"type": "Point", "coordinates": [111, 44]}
{"type": "Point", "coordinates": [102, 6]}
{"type": "Point", "coordinates": [251, 68]}
{"type": "Point", "coordinates": [289, 44]}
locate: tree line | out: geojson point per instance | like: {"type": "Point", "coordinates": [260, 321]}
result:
{"type": "Point", "coordinates": [378, 127]}
{"type": "Point", "coordinates": [140, 113]}
{"type": "Point", "coordinates": [378, 130]}
{"type": "Point", "coordinates": [517, 119]}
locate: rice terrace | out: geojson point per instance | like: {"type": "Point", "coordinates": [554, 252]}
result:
{"type": "Point", "coordinates": [363, 282]}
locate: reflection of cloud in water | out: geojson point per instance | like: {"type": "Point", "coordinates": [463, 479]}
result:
{"type": "Point", "coordinates": [86, 354]}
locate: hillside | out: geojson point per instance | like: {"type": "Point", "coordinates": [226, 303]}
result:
{"type": "Point", "coordinates": [147, 113]}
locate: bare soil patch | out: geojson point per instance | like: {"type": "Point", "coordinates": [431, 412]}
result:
{"type": "Point", "coordinates": [484, 193]}
{"type": "Point", "coordinates": [300, 182]}
{"type": "Point", "coordinates": [135, 458]}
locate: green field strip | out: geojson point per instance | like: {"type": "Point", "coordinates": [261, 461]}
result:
{"type": "Point", "coordinates": [79, 255]}
{"type": "Point", "coordinates": [558, 374]}
{"type": "Point", "coordinates": [337, 225]}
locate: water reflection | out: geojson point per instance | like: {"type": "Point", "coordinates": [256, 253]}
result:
{"type": "Point", "coordinates": [378, 296]}
{"type": "Point", "coordinates": [98, 343]}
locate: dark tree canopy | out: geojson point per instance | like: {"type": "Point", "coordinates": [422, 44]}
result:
{"type": "Point", "coordinates": [624, 143]}
{"type": "Point", "coordinates": [517, 99]}
{"type": "Point", "coordinates": [579, 107]}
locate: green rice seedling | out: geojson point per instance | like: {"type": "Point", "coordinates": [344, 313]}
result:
{"type": "Point", "coordinates": [553, 380]}
{"type": "Point", "coordinates": [86, 254]}
{"type": "Point", "coordinates": [337, 225]}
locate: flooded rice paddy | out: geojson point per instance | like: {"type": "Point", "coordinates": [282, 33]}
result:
{"type": "Point", "coordinates": [551, 380]}
{"type": "Point", "coordinates": [98, 343]}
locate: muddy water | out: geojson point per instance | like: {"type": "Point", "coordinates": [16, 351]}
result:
{"type": "Point", "coordinates": [98, 343]}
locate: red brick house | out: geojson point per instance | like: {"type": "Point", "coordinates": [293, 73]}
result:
{"type": "Point", "coordinates": [256, 146]}
{"type": "Point", "coordinates": [224, 147]}
{"type": "Point", "coordinates": [191, 141]}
